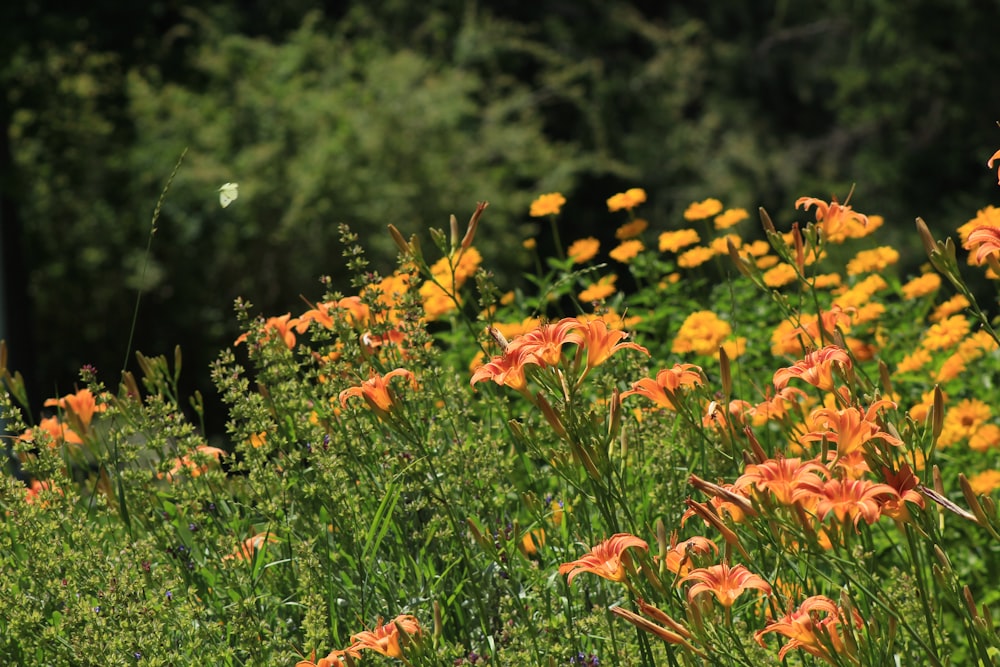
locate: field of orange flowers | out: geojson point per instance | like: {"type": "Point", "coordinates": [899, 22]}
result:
{"type": "Point", "coordinates": [775, 449]}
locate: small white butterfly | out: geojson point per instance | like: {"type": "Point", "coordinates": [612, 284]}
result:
{"type": "Point", "coordinates": [228, 194]}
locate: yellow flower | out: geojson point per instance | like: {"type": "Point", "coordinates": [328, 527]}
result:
{"type": "Point", "coordinates": [825, 280]}
{"type": "Point", "coordinates": [869, 261]}
{"type": "Point", "coordinates": [767, 261]}
{"type": "Point", "coordinates": [674, 241]}
{"type": "Point", "coordinates": [720, 244]}
{"type": "Point", "coordinates": [922, 286]}
{"type": "Point", "coordinates": [914, 361]}
{"type": "Point", "coordinates": [703, 209]}
{"type": "Point", "coordinates": [600, 290]}
{"type": "Point", "coordinates": [731, 217]}
{"type": "Point", "coordinates": [736, 347]}
{"type": "Point", "coordinates": [963, 420]}
{"type": "Point", "coordinates": [948, 308]}
{"type": "Point", "coordinates": [702, 333]}
{"type": "Point", "coordinates": [780, 275]}
{"type": "Point", "coordinates": [583, 250]}
{"type": "Point", "coordinates": [757, 248]}
{"type": "Point", "coordinates": [861, 292]}
{"type": "Point", "coordinates": [952, 367]}
{"type": "Point", "coordinates": [986, 437]}
{"type": "Point", "coordinates": [549, 204]}
{"type": "Point", "coordinates": [695, 257]}
{"type": "Point", "coordinates": [946, 333]}
{"type": "Point", "coordinates": [627, 250]}
{"type": "Point", "coordinates": [985, 482]}
{"type": "Point", "coordinates": [867, 313]}
{"type": "Point", "coordinates": [529, 244]}
{"type": "Point", "coordinates": [626, 200]}
{"type": "Point", "coordinates": [631, 229]}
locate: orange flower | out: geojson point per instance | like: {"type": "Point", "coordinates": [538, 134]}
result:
{"type": "Point", "coordinates": [850, 428]}
{"type": "Point", "coordinates": [816, 368]}
{"type": "Point", "coordinates": [583, 250]}
{"type": "Point", "coordinates": [663, 390]}
{"type": "Point", "coordinates": [251, 545]}
{"type": "Point", "coordinates": [836, 221]}
{"type": "Point", "coordinates": [376, 392]}
{"type": "Point", "coordinates": [626, 200]}
{"type": "Point", "coordinates": [281, 327]}
{"type": "Point", "coordinates": [331, 660]}
{"type": "Point", "coordinates": [548, 204]}
{"type": "Point", "coordinates": [386, 638]}
{"type": "Point", "coordinates": [600, 343]}
{"type": "Point", "coordinates": [808, 631]}
{"type": "Point", "coordinates": [781, 477]}
{"type": "Point", "coordinates": [679, 556]}
{"type": "Point", "coordinates": [507, 369]}
{"type": "Point", "coordinates": [545, 343]}
{"type": "Point", "coordinates": [989, 163]}
{"type": "Point", "coordinates": [58, 432]}
{"type": "Point", "coordinates": [607, 559]}
{"type": "Point", "coordinates": [192, 465]}
{"type": "Point", "coordinates": [82, 404]}
{"type": "Point", "coordinates": [725, 582]}
{"type": "Point", "coordinates": [700, 210]}
{"type": "Point", "coordinates": [853, 499]}
{"type": "Point", "coordinates": [905, 483]}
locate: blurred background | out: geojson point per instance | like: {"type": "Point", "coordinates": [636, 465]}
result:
{"type": "Point", "coordinates": [399, 112]}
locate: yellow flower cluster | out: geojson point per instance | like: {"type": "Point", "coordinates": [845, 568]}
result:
{"type": "Point", "coordinates": [701, 333]}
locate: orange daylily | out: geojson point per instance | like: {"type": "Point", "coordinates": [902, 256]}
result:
{"type": "Point", "coordinates": [82, 404]}
{"type": "Point", "coordinates": [545, 343]}
{"type": "Point", "coordinates": [808, 631]}
{"type": "Point", "coordinates": [58, 432]}
{"type": "Point", "coordinates": [836, 221]}
{"type": "Point", "coordinates": [281, 327]}
{"type": "Point", "coordinates": [376, 391]}
{"type": "Point", "coordinates": [600, 343]}
{"type": "Point", "coordinates": [607, 559]}
{"type": "Point", "coordinates": [853, 499]}
{"type": "Point", "coordinates": [725, 582]}
{"type": "Point", "coordinates": [905, 483]}
{"type": "Point", "coordinates": [816, 368]}
{"type": "Point", "coordinates": [250, 546]}
{"type": "Point", "coordinates": [781, 477]}
{"type": "Point", "coordinates": [679, 556]}
{"type": "Point", "coordinates": [663, 390]}
{"type": "Point", "coordinates": [850, 429]}
{"type": "Point", "coordinates": [189, 465]}
{"type": "Point", "coordinates": [386, 638]}
{"type": "Point", "coordinates": [989, 163]}
{"type": "Point", "coordinates": [985, 241]}
{"type": "Point", "coordinates": [507, 368]}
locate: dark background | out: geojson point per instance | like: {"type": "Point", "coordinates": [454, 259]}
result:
{"type": "Point", "coordinates": [408, 112]}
